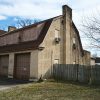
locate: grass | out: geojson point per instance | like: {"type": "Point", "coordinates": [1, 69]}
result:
{"type": "Point", "coordinates": [51, 91]}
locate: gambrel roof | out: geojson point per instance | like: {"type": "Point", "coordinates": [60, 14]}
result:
{"type": "Point", "coordinates": [28, 37]}
{"type": "Point", "coordinates": [2, 32]}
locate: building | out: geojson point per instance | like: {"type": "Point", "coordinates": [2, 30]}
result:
{"type": "Point", "coordinates": [97, 61]}
{"type": "Point", "coordinates": [86, 58]}
{"type": "Point", "coordinates": [30, 52]}
{"type": "Point", "coordinates": [92, 61]}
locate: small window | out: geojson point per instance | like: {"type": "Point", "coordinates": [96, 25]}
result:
{"type": "Point", "coordinates": [74, 40]}
{"type": "Point", "coordinates": [56, 61]}
{"type": "Point", "coordinates": [56, 33]}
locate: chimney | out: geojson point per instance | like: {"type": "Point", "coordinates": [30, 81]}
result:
{"type": "Point", "coordinates": [67, 12]}
{"type": "Point", "coordinates": [67, 24]}
{"type": "Point", "coordinates": [11, 28]}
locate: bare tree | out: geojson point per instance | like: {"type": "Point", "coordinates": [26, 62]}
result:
{"type": "Point", "coordinates": [2, 28]}
{"type": "Point", "coordinates": [26, 22]}
{"type": "Point", "coordinates": [94, 55]}
{"type": "Point", "coordinates": [91, 29]}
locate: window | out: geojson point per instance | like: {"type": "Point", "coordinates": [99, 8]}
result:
{"type": "Point", "coordinates": [74, 40]}
{"type": "Point", "coordinates": [57, 38]}
{"type": "Point", "coordinates": [56, 33]}
{"type": "Point", "coordinates": [56, 61]}
{"type": "Point", "coordinates": [74, 43]}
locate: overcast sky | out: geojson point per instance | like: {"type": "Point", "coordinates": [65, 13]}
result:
{"type": "Point", "coordinates": [11, 10]}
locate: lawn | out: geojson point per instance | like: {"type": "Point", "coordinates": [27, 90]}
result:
{"type": "Point", "coordinates": [52, 91]}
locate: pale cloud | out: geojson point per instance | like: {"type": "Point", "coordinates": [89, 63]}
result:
{"type": "Point", "coordinates": [31, 9]}
{"type": "Point", "coordinates": [2, 17]}
{"type": "Point", "coordinates": [44, 9]}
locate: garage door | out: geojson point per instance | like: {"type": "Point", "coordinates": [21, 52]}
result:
{"type": "Point", "coordinates": [22, 66]}
{"type": "Point", "coordinates": [4, 62]}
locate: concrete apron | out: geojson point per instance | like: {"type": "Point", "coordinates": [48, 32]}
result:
{"type": "Point", "coordinates": [6, 83]}
{"type": "Point", "coordinates": [6, 87]}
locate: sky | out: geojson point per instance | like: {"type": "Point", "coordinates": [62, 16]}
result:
{"type": "Point", "coordinates": [12, 10]}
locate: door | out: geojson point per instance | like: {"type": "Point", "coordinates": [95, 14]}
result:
{"type": "Point", "coordinates": [22, 66]}
{"type": "Point", "coordinates": [4, 62]}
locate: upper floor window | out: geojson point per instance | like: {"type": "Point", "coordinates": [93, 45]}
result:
{"type": "Point", "coordinates": [74, 43]}
{"type": "Point", "coordinates": [56, 33]}
{"type": "Point", "coordinates": [74, 40]}
{"type": "Point", "coordinates": [57, 38]}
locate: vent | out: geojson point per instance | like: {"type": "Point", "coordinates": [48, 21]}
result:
{"type": "Point", "coordinates": [57, 40]}
{"type": "Point", "coordinates": [40, 48]}
{"type": "Point", "coordinates": [74, 46]}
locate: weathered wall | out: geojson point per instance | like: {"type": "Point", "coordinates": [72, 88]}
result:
{"type": "Point", "coordinates": [51, 50]}
{"type": "Point", "coordinates": [34, 64]}
{"type": "Point", "coordinates": [11, 65]}
{"type": "Point", "coordinates": [67, 26]}
{"type": "Point", "coordinates": [71, 40]}
{"type": "Point", "coordinates": [86, 58]}
{"type": "Point", "coordinates": [92, 61]}
{"type": "Point", "coordinates": [76, 55]}
{"type": "Point", "coordinates": [63, 52]}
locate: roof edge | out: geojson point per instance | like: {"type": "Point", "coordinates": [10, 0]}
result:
{"type": "Point", "coordinates": [78, 37]}
{"type": "Point", "coordinates": [29, 26]}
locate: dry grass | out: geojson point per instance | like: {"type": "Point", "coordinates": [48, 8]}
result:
{"type": "Point", "coordinates": [52, 91]}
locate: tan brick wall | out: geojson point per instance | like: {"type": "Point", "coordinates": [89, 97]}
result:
{"type": "Point", "coordinates": [63, 52]}
{"type": "Point", "coordinates": [34, 64]}
{"type": "Point", "coordinates": [67, 27]}
{"type": "Point", "coordinates": [92, 61]}
{"type": "Point", "coordinates": [11, 65]}
{"type": "Point", "coordinates": [86, 58]}
{"type": "Point", "coordinates": [51, 51]}
{"type": "Point", "coordinates": [76, 54]}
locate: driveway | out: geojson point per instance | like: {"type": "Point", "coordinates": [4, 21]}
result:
{"type": "Point", "coordinates": [6, 83]}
